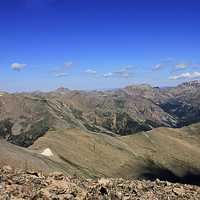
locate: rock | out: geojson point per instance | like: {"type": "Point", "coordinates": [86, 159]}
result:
{"type": "Point", "coordinates": [7, 168]}
{"type": "Point", "coordinates": [68, 197]}
{"type": "Point", "coordinates": [140, 186]}
{"type": "Point", "coordinates": [57, 175]}
{"type": "Point", "coordinates": [103, 181]}
{"type": "Point", "coordinates": [55, 197]}
{"type": "Point", "coordinates": [119, 195]}
{"type": "Point", "coordinates": [33, 173]}
{"type": "Point", "coordinates": [168, 183]}
{"type": "Point", "coordinates": [179, 191]}
{"type": "Point", "coordinates": [58, 187]}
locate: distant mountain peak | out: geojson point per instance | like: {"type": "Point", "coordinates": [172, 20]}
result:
{"type": "Point", "coordinates": [195, 83]}
{"type": "Point", "coordinates": [62, 89]}
{"type": "Point", "coordinates": [140, 86]}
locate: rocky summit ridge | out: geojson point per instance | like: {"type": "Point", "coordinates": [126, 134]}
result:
{"type": "Point", "coordinates": [33, 185]}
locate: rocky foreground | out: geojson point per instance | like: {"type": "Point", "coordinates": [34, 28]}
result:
{"type": "Point", "coordinates": [19, 184]}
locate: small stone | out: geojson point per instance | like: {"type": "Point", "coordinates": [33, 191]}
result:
{"type": "Point", "coordinates": [119, 195]}
{"type": "Point", "coordinates": [103, 181]}
{"type": "Point", "coordinates": [167, 183]}
{"type": "Point", "coordinates": [33, 173]}
{"type": "Point", "coordinates": [167, 189]}
{"type": "Point", "coordinates": [68, 197]}
{"type": "Point", "coordinates": [59, 191]}
{"type": "Point", "coordinates": [126, 198]}
{"type": "Point", "coordinates": [139, 186]}
{"type": "Point", "coordinates": [57, 175]}
{"type": "Point", "coordinates": [7, 168]}
{"type": "Point", "coordinates": [179, 191]}
{"type": "Point", "coordinates": [55, 197]}
{"type": "Point", "coordinates": [158, 181]}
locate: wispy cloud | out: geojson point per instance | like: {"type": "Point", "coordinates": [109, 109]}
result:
{"type": "Point", "coordinates": [187, 75]}
{"type": "Point", "coordinates": [61, 75]}
{"type": "Point", "coordinates": [181, 65]}
{"type": "Point", "coordinates": [164, 63]}
{"type": "Point", "coordinates": [62, 71]}
{"type": "Point", "coordinates": [124, 72]}
{"type": "Point", "coordinates": [18, 66]}
{"type": "Point", "coordinates": [185, 65]}
{"type": "Point", "coordinates": [174, 65]}
{"type": "Point", "coordinates": [90, 72]}
{"type": "Point", "coordinates": [107, 75]}
{"type": "Point", "coordinates": [158, 66]}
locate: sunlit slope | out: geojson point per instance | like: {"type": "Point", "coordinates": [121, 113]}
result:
{"type": "Point", "coordinates": [19, 157]}
{"type": "Point", "coordinates": [160, 152]}
{"type": "Point", "coordinates": [101, 155]}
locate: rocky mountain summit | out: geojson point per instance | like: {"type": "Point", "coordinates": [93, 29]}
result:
{"type": "Point", "coordinates": [33, 185]}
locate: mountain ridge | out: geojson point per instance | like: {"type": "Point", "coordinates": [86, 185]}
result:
{"type": "Point", "coordinates": [142, 132]}
{"type": "Point", "coordinates": [122, 112]}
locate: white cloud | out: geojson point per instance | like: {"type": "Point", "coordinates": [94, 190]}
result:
{"type": "Point", "coordinates": [91, 72]}
{"type": "Point", "coordinates": [124, 72]}
{"type": "Point", "coordinates": [61, 71]}
{"type": "Point", "coordinates": [187, 75]}
{"type": "Point", "coordinates": [158, 66]}
{"type": "Point", "coordinates": [174, 65]}
{"type": "Point", "coordinates": [61, 74]}
{"type": "Point", "coordinates": [181, 65]}
{"type": "Point", "coordinates": [18, 66]}
{"type": "Point", "coordinates": [167, 62]}
{"type": "Point", "coordinates": [107, 75]}
{"type": "Point", "coordinates": [186, 65]}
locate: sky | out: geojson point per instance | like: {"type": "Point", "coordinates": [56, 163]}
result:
{"type": "Point", "coordinates": [98, 44]}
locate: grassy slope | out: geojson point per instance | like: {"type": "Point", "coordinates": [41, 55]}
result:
{"type": "Point", "coordinates": [175, 151]}
{"type": "Point", "coordinates": [94, 154]}
{"type": "Point", "coordinates": [25, 159]}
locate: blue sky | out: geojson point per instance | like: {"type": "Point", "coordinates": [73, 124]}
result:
{"type": "Point", "coordinates": [94, 44]}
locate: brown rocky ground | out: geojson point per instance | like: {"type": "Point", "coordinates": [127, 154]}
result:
{"type": "Point", "coordinates": [19, 184]}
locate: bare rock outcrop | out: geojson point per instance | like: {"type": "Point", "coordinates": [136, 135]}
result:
{"type": "Point", "coordinates": [18, 184]}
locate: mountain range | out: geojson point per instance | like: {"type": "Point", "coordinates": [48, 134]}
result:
{"type": "Point", "coordinates": [139, 131]}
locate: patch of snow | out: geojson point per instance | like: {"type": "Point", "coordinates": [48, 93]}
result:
{"type": "Point", "coordinates": [47, 152]}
